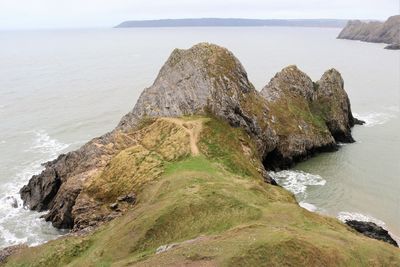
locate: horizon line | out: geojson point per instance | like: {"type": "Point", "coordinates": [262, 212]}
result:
{"type": "Point", "coordinates": [167, 19]}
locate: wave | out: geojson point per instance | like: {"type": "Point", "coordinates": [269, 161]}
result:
{"type": "Point", "coordinates": [308, 206]}
{"type": "Point", "coordinates": [43, 143]}
{"type": "Point", "coordinates": [18, 224]}
{"type": "Point", "coordinates": [297, 181]}
{"type": "Point", "coordinates": [346, 216]}
{"type": "Point", "coordinates": [378, 118]}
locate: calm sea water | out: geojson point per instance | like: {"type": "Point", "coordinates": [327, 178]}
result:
{"type": "Point", "coordinates": [59, 89]}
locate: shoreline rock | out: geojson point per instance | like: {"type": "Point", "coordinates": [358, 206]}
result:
{"type": "Point", "coordinates": [308, 117]}
{"type": "Point", "coordinates": [393, 47]}
{"type": "Point", "coordinates": [372, 230]}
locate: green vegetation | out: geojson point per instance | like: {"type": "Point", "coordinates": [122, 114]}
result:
{"type": "Point", "coordinates": [129, 170]}
{"type": "Point", "coordinates": [291, 110]}
{"type": "Point", "coordinates": [255, 105]}
{"type": "Point", "coordinates": [213, 209]}
{"type": "Point", "coordinates": [327, 108]}
{"type": "Point", "coordinates": [144, 122]}
{"type": "Point", "coordinates": [194, 164]}
{"type": "Point", "coordinates": [222, 143]}
{"type": "Point", "coordinates": [217, 61]}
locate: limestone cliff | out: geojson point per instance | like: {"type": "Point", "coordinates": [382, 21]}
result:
{"type": "Point", "coordinates": [205, 79]}
{"type": "Point", "coordinates": [377, 32]}
{"type": "Point", "coordinates": [291, 119]}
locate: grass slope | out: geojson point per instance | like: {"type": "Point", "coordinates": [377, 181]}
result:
{"type": "Point", "coordinates": [212, 209]}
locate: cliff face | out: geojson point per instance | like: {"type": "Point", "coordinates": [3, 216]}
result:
{"type": "Point", "coordinates": [377, 32]}
{"type": "Point", "coordinates": [291, 119]}
{"type": "Point", "coordinates": [205, 79]}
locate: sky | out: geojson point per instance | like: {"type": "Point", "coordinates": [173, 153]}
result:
{"type": "Point", "coordinates": [31, 14]}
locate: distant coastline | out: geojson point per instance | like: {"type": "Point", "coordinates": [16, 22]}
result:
{"type": "Point", "coordinates": [387, 32]}
{"type": "Point", "coordinates": [233, 22]}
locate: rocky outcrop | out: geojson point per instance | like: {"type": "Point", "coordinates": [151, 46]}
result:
{"type": "Point", "coordinates": [58, 186]}
{"type": "Point", "coordinates": [291, 119]}
{"type": "Point", "coordinates": [377, 32]}
{"type": "Point", "coordinates": [393, 47]}
{"type": "Point", "coordinates": [205, 79]}
{"type": "Point", "coordinates": [372, 230]}
{"type": "Point", "coordinates": [333, 105]}
{"type": "Point", "coordinates": [308, 117]}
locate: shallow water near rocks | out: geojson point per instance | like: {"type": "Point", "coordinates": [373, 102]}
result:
{"type": "Point", "coordinates": [59, 89]}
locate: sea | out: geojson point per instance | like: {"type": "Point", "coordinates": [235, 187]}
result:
{"type": "Point", "coordinates": [61, 88]}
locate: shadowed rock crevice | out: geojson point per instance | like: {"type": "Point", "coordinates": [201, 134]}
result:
{"type": "Point", "coordinates": [275, 161]}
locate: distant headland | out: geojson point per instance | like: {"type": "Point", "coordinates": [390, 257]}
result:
{"type": "Point", "coordinates": [387, 32]}
{"type": "Point", "coordinates": [233, 22]}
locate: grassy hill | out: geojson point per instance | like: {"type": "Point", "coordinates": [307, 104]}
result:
{"type": "Point", "coordinates": [202, 201]}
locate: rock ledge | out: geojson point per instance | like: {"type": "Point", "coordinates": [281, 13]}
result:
{"type": "Point", "coordinates": [372, 230]}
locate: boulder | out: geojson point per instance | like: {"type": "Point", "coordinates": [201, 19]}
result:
{"type": "Point", "coordinates": [393, 47]}
{"type": "Point", "coordinates": [372, 230]}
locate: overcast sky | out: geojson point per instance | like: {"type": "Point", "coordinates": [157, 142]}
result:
{"type": "Point", "coordinates": [21, 14]}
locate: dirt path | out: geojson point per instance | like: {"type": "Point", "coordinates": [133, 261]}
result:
{"type": "Point", "coordinates": [193, 128]}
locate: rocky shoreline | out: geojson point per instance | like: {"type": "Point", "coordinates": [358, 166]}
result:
{"type": "Point", "coordinates": [393, 47]}
{"type": "Point", "coordinates": [387, 32]}
{"type": "Point", "coordinates": [372, 230]}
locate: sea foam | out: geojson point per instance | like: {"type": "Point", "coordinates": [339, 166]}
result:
{"type": "Point", "coordinates": [308, 206]}
{"type": "Point", "coordinates": [346, 216]}
{"type": "Point", "coordinates": [378, 118]}
{"type": "Point", "coordinates": [43, 143]}
{"type": "Point", "coordinates": [17, 223]}
{"type": "Point", "coordinates": [297, 181]}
